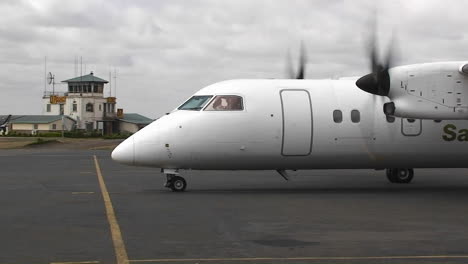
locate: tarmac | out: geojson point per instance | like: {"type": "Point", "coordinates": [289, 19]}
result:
{"type": "Point", "coordinates": [64, 206]}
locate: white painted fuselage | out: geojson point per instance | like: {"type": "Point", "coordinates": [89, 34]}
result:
{"type": "Point", "coordinates": [289, 124]}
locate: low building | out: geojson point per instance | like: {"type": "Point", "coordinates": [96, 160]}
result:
{"type": "Point", "coordinates": [34, 124]}
{"type": "Point", "coordinates": [131, 123]}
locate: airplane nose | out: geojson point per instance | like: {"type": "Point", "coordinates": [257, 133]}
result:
{"type": "Point", "coordinates": [125, 152]}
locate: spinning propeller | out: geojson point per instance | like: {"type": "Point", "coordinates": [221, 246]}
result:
{"type": "Point", "coordinates": [378, 81]}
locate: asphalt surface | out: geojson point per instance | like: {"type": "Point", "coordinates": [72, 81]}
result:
{"type": "Point", "coordinates": [52, 211]}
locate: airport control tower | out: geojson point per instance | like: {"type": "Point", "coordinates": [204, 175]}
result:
{"type": "Point", "coordinates": [84, 101]}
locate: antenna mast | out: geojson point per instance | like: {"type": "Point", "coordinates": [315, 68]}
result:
{"type": "Point", "coordinates": [110, 83]}
{"type": "Point", "coordinates": [45, 75]}
{"type": "Point", "coordinates": [51, 80]}
{"type": "Point", "coordinates": [115, 82]}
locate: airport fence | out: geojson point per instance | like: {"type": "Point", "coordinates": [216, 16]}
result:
{"type": "Point", "coordinates": [70, 134]}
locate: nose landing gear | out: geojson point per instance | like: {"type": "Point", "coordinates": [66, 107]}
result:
{"type": "Point", "coordinates": [395, 175]}
{"type": "Point", "coordinates": [174, 182]}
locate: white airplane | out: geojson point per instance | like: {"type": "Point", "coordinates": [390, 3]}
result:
{"type": "Point", "coordinates": [396, 119]}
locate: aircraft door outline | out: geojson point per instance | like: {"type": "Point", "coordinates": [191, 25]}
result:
{"type": "Point", "coordinates": [296, 108]}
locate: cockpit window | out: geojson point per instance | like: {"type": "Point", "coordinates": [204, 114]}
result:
{"type": "Point", "coordinates": [195, 103]}
{"type": "Point", "coordinates": [226, 103]}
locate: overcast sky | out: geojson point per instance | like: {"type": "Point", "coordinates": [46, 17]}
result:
{"type": "Point", "coordinates": [164, 51]}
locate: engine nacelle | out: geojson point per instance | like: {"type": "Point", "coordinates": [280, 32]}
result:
{"type": "Point", "coordinates": [429, 91]}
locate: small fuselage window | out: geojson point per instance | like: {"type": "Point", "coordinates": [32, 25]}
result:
{"type": "Point", "coordinates": [195, 103]}
{"type": "Point", "coordinates": [355, 116]}
{"type": "Point", "coordinates": [337, 116]}
{"type": "Point", "coordinates": [226, 103]}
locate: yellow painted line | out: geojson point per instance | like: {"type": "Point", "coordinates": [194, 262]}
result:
{"type": "Point", "coordinates": [119, 245]}
{"type": "Point", "coordinates": [301, 258]}
{"type": "Point", "coordinates": [82, 192]}
{"type": "Point", "coordinates": [76, 262]}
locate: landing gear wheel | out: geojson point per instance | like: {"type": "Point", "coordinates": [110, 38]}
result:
{"type": "Point", "coordinates": [400, 175]}
{"type": "Point", "coordinates": [390, 175]}
{"type": "Point", "coordinates": [178, 184]}
{"type": "Point", "coordinates": [404, 175]}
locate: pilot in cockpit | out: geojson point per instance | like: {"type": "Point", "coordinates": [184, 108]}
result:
{"type": "Point", "coordinates": [222, 103]}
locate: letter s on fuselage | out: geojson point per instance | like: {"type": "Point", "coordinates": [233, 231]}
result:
{"type": "Point", "coordinates": [450, 134]}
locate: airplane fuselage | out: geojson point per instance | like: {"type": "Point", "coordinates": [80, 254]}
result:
{"type": "Point", "coordinates": [294, 124]}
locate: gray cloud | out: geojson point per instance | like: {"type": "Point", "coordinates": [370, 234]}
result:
{"type": "Point", "coordinates": [166, 50]}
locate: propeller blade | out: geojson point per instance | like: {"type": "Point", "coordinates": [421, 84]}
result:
{"type": "Point", "coordinates": [388, 63]}
{"type": "Point", "coordinates": [290, 71]}
{"type": "Point", "coordinates": [372, 45]}
{"type": "Point", "coordinates": [302, 62]}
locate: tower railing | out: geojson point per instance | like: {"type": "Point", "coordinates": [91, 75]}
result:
{"type": "Point", "coordinates": [49, 93]}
